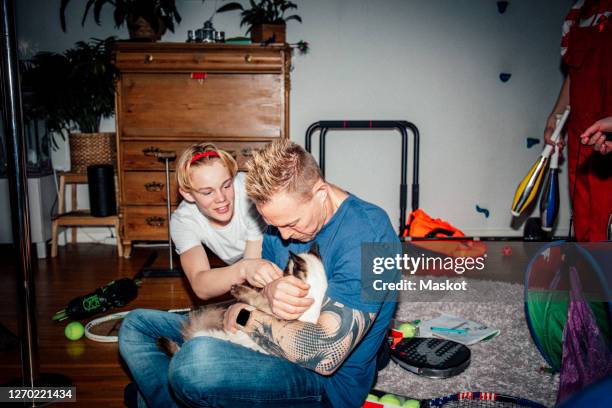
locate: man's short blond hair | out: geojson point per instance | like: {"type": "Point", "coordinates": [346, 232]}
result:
{"type": "Point", "coordinates": [281, 166]}
{"type": "Point", "coordinates": [184, 164]}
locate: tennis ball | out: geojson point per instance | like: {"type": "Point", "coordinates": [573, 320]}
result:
{"type": "Point", "coordinates": [74, 331]}
{"type": "Point", "coordinates": [372, 397]}
{"type": "Point", "coordinates": [390, 399]}
{"type": "Point", "coordinates": [411, 403]}
{"type": "Point", "coordinates": [407, 329]}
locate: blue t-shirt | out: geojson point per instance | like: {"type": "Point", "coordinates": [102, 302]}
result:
{"type": "Point", "coordinates": [355, 222]}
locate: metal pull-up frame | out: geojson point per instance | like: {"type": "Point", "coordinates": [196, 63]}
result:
{"type": "Point", "coordinates": [402, 127]}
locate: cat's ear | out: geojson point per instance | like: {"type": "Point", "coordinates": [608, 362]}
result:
{"type": "Point", "coordinates": [294, 257]}
{"type": "Point", "coordinates": [296, 265]}
{"type": "Point", "coordinates": [314, 250]}
{"type": "Point", "coordinates": [290, 264]}
{"type": "Point", "coordinates": [299, 268]}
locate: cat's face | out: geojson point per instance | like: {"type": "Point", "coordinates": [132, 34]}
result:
{"type": "Point", "coordinates": [299, 264]}
{"type": "Point", "coordinates": [309, 268]}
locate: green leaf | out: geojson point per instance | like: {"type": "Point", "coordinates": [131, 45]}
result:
{"type": "Point", "coordinates": [119, 16]}
{"type": "Point", "coordinates": [86, 12]}
{"type": "Point", "coordinates": [63, 6]}
{"type": "Point", "coordinates": [294, 17]}
{"type": "Point", "coordinates": [169, 23]}
{"type": "Point", "coordinates": [176, 15]}
{"type": "Point", "coordinates": [230, 7]}
{"type": "Point", "coordinates": [245, 21]}
{"type": "Point", "coordinates": [97, 10]}
{"type": "Point", "coordinates": [288, 6]}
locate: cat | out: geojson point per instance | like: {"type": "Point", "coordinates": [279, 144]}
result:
{"type": "Point", "coordinates": [208, 320]}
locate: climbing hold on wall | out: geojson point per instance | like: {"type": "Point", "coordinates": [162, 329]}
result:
{"type": "Point", "coordinates": [532, 141]}
{"type": "Point", "coordinates": [482, 211]}
{"type": "Point", "coordinates": [504, 76]}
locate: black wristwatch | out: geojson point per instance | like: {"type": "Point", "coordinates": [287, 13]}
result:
{"type": "Point", "coordinates": [243, 317]}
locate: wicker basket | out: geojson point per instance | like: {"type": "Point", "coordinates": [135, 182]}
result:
{"type": "Point", "coordinates": [87, 149]}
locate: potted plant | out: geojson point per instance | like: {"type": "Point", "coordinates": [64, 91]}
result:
{"type": "Point", "coordinates": [147, 20]}
{"type": "Point", "coordinates": [42, 96]}
{"type": "Point", "coordinates": [265, 19]}
{"type": "Point", "coordinates": [74, 91]}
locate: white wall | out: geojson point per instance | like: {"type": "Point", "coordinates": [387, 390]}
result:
{"type": "Point", "coordinates": [435, 63]}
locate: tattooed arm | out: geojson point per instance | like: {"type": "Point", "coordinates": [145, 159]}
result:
{"type": "Point", "coordinates": [321, 347]}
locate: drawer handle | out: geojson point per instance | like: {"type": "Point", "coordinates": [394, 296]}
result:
{"type": "Point", "coordinates": [151, 151]}
{"type": "Point", "coordinates": [148, 59]}
{"type": "Point", "coordinates": [155, 221]}
{"type": "Point", "coordinates": [232, 153]}
{"type": "Point", "coordinates": [153, 186]}
{"type": "Point", "coordinates": [248, 151]}
{"type": "Point", "coordinates": [248, 58]}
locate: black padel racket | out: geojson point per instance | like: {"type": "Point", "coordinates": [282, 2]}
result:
{"type": "Point", "coordinates": [431, 357]}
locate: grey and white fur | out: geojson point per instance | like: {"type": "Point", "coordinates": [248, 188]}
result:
{"type": "Point", "coordinates": [208, 320]}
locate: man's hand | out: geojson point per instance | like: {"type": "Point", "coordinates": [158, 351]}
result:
{"type": "Point", "coordinates": [286, 297]}
{"type": "Point", "coordinates": [229, 321]}
{"type": "Point", "coordinates": [595, 136]}
{"type": "Point", "coordinates": [259, 272]}
{"type": "Point", "coordinates": [551, 123]}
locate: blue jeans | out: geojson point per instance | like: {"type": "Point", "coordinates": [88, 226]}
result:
{"type": "Point", "coordinates": [208, 372]}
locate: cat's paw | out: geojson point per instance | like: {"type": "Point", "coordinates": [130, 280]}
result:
{"type": "Point", "coordinates": [238, 291]}
{"type": "Point", "coordinates": [245, 294]}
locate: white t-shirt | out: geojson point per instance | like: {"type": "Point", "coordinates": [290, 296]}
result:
{"type": "Point", "coordinates": [190, 228]}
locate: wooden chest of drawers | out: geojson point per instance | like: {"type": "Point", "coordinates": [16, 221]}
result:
{"type": "Point", "coordinates": [171, 95]}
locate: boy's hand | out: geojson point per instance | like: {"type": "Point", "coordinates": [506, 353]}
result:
{"type": "Point", "coordinates": [259, 272]}
{"type": "Point", "coordinates": [287, 297]}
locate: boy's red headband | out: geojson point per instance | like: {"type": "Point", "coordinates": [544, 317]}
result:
{"type": "Point", "coordinates": [198, 156]}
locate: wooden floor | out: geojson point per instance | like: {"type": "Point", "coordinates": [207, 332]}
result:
{"type": "Point", "coordinates": [95, 368]}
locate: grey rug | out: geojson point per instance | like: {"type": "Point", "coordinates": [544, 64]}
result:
{"type": "Point", "coordinates": [509, 364]}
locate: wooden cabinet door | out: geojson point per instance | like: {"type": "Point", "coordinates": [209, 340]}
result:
{"type": "Point", "coordinates": [220, 106]}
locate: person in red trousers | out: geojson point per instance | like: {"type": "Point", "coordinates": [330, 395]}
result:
{"type": "Point", "coordinates": [586, 49]}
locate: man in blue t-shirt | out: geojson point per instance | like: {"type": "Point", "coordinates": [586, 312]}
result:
{"type": "Point", "coordinates": [328, 364]}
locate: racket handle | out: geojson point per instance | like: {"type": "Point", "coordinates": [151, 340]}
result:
{"type": "Point", "coordinates": [114, 294]}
